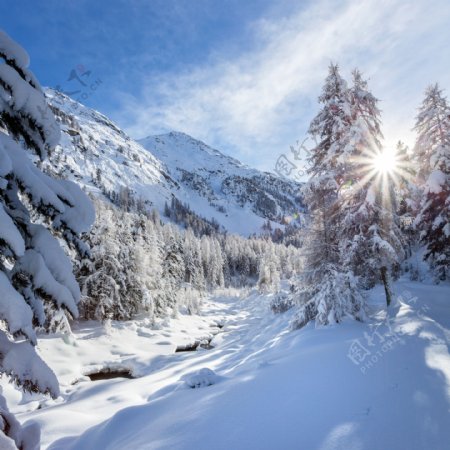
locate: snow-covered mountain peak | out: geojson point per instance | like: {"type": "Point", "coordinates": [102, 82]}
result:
{"type": "Point", "coordinates": [101, 157]}
{"type": "Point", "coordinates": [192, 153]}
{"type": "Point", "coordinates": [220, 187]}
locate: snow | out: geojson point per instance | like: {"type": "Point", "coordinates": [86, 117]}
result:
{"type": "Point", "coordinates": [26, 437]}
{"type": "Point", "coordinates": [435, 182]}
{"type": "Point", "coordinates": [182, 155]}
{"type": "Point", "coordinates": [28, 99]}
{"type": "Point", "coordinates": [81, 216]}
{"type": "Point", "coordinates": [276, 389]}
{"type": "Point", "coordinates": [5, 163]}
{"type": "Point", "coordinates": [33, 180]}
{"type": "Point", "coordinates": [91, 143]}
{"type": "Point", "coordinates": [43, 280]}
{"type": "Point", "coordinates": [65, 197]}
{"type": "Point", "coordinates": [14, 310]}
{"type": "Point", "coordinates": [58, 265]}
{"type": "Point", "coordinates": [10, 47]}
{"type": "Point", "coordinates": [21, 360]}
{"type": "Point", "coordinates": [200, 378]}
{"type": "Point", "coordinates": [10, 234]}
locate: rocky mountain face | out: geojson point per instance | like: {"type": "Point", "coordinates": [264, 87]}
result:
{"type": "Point", "coordinates": [150, 172]}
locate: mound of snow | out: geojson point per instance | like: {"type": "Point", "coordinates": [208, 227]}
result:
{"type": "Point", "coordinates": [201, 378]}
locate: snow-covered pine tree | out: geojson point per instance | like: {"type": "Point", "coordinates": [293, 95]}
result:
{"type": "Point", "coordinates": [116, 276]}
{"type": "Point", "coordinates": [193, 261]}
{"type": "Point", "coordinates": [217, 278]}
{"type": "Point", "coordinates": [36, 276]}
{"type": "Point", "coordinates": [369, 236]}
{"type": "Point", "coordinates": [326, 292]}
{"type": "Point", "coordinates": [103, 286]}
{"type": "Point", "coordinates": [149, 268]}
{"type": "Point", "coordinates": [173, 270]}
{"type": "Point", "coordinates": [407, 194]}
{"type": "Point", "coordinates": [432, 151]}
{"type": "Point", "coordinates": [131, 231]}
{"type": "Point", "coordinates": [269, 275]}
{"type": "Point", "coordinates": [101, 277]}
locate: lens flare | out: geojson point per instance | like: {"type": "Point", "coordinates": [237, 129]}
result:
{"type": "Point", "coordinates": [386, 169]}
{"type": "Point", "coordinates": [385, 162]}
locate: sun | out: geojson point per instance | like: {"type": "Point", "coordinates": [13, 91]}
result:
{"type": "Point", "coordinates": [384, 168]}
{"type": "Point", "coordinates": [385, 162]}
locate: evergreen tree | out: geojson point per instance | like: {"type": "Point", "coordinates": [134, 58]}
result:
{"type": "Point", "coordinates": [269, 275]}
{"type": "Point", "coordinates": [369, 237]}
{"type": "Point", "coordinates": [432, 151]}
{"type": "Point", "coordinates": [36, 279]}
{"type": "Point", "coordinates": [101, 277]}
{"type": "Point", "coordinates": [407, 194]}
{"type": "Point", "coordinates": [173, 270]}
{"type": "Point", "coordinates": [327, 292]}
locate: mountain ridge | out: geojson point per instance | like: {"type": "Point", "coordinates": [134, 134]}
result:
{"type": "Point", "coordinates": [102, 158]}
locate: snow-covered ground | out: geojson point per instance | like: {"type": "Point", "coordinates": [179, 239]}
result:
{"type": "Point", "coordinates": [384, 384]}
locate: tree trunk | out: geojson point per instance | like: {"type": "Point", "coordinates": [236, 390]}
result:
{"type": "Point", "coordinates": [387, 288]}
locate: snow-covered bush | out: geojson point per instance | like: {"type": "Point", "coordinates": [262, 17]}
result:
{"type": "Point", "coordinates": [336, 296]}
{"type": "Point", "coordinates": [281, 303]}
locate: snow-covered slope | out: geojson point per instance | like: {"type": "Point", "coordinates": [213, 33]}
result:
{"type": "Point", "coordinates": [384, 384]}
{"type": "Point", "coordinates": [98, 155]}
{"type": "Point", "coordinates": [216, 185]}
{"type": "Point", "coordinates": [103, 158]}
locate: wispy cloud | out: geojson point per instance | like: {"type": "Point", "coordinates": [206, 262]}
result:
{"type": "Point", "coordinates": [257, 103]}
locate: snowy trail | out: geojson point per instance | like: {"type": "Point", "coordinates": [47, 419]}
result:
{"type": "Point", "coordinates": [276, 389]}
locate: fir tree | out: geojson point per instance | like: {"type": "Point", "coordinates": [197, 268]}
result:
{"type": "Point", "coordinates": [408, 195]}
{"type": "Point", "coordinates": [369, 237]}
{"type": "Point", "coordinates": [327, 292]}
{"type": "Point", "coordinates": [36, 279]}
{"type": "Point", "coordinates": [432, 151]}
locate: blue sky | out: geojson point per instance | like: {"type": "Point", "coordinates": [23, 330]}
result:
{"type": "Point", "coordinates": [243, 76]}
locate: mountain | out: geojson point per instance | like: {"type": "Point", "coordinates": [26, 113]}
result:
{"type": "Point", "coordinates": [105, 160]}
{"type": "Point", "coordinates": [216, 185]}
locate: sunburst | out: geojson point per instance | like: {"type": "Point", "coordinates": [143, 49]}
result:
{"type": "Point", "coordinates": [382, 170]}
{"type": "Point", "coordinates": [386, 162]}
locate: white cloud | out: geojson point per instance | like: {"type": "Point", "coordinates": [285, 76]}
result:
{"type": "Point", "coordinates": [255, 105]}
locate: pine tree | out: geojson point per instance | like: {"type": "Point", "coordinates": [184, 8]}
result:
{"type": "Point", "coordinates": [327, 293]}
{"type": "Point", "coordinates": [407, 194]}
{"type": "Point", "coordinates": [432, 151]}
{"type": "Point", "coordinates": [116, 280]}
{"type": "Point", "coordinates": [369, 237]}
{"type": "Point", "coordinates": [269, 275]}
{"type": "Point", "coordinates": [149, 254]}
{"type": "Point", "coordinates": [36, 279]}
{"type": "Point", "coordinates": [173, 269]}
{"type": "Point", "coordinates": [101, 277]}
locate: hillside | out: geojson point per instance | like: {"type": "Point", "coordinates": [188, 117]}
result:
{"type": "Point", "coordinates": [238, 197]}
{"type": "Point", "coordinates": [100, 156]}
